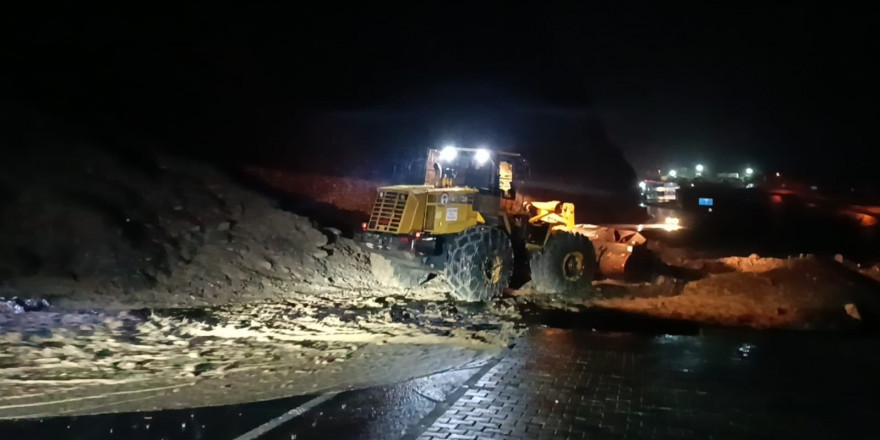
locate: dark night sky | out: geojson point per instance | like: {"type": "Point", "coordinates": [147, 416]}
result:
{"type": "Point", "coordinates": [778, 87]}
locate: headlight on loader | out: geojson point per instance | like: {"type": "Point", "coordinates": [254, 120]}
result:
{"type": "Point", "coordinates": [482, 156]}
{"type": "Point", "coordinates": [448, 153]}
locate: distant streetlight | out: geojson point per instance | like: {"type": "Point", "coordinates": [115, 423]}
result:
{"type": "Point", "coordinates": [699, 168]}
{"type": "Point", "coordinates": [672, 173]}
{"type": "Point", "coordinates": [749, 171]}
{"type": "Point", "coordinates": [777, 174]}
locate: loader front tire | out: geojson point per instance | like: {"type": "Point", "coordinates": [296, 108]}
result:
{"type": "Point", "coordinates": [565, 266]}
{"type": "Point", "coordinates": [480, 263]}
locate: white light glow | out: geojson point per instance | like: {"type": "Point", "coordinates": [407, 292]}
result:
{"type": "Point", "coordinates": [672, 224]}
{"type": "Point", "coordinates": [749, 171]}
{"type": "Point", "coordinates": [643, 185]}
{"type": "Point", "coordinates": [672, 173]}
{"type": "Point", "coordinates": [699, 168]}
{"type": "Point", "coordinates": [482, 156]}
{"type": "Point", "coordinates": [448, 153]}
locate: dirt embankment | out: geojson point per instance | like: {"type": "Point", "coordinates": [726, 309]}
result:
{"type": "Point", "coordinates": [90, 228]}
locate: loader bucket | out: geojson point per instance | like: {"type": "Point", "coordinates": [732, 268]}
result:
{"type": "Point", "coordinates": [620, 253]}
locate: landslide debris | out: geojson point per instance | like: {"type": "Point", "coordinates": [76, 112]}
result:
{"type": "Point", "coordinates": [805, 292]}
{"type": "Point", "coordinates": [87, 227]}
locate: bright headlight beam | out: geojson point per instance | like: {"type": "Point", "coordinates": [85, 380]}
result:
{"type": "Point", "coordinates": [448, 153]}
{"type": "Point", "coordinates": [482, 156]}
{"type": "Point", "coordinates": [672, 224]}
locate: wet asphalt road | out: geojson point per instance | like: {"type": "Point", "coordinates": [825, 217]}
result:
{"type": "Point", "coordinates": [564, 382]}
{"type": "Point", "coordinates": [374, 413]}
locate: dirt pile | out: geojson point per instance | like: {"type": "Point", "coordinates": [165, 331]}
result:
{"type": "Point", "coordinates": [755, 264]}
{"type": "Point", "coordinates": [88, 226]}
{"type": "Point", "coordinates": [763, 293]}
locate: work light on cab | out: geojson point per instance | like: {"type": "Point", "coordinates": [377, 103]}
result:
{"type": "Point", "coordinates": [448, 153]}
{"type": "Point", "coordinates": [482, 156]}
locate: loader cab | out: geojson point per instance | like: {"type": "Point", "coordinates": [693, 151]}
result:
{"type": "Point", "coordinates": [490, 172]}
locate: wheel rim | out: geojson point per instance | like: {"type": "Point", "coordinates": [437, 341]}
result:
{"type": "Point", "coordinates": [573, 266]}
{"type": "Point", "coordinates": [492, 270]}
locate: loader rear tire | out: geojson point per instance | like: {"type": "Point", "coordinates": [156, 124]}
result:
{"type": "Point", "coordinates": [480, 263]}
{"type": "Point", "coordinates": [566, 265]}
{"type": "Point", "coordinates": [393, 274]}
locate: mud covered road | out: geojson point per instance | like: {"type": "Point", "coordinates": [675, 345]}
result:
{"type": "Point", "coordinates": [574, 383]}
{"type": "Point", "coordinates": [79, 363]}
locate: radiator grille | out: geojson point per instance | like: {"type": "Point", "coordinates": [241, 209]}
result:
{"type": "Point", "coordinates": [388, 211]}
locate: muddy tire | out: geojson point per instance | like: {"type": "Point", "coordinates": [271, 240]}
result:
{"type": "Point", "coordinates": [480, 264]}
{"type": "Point", "coordinates": [390, 273]}
{"type": "Point", "coordinates": [565, 266]}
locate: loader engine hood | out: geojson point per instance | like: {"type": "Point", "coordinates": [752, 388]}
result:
{"type": "Point", "coordinates": [407, 209]}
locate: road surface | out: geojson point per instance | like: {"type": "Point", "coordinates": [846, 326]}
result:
{"type": "Point", "coordinates": [563, 383]}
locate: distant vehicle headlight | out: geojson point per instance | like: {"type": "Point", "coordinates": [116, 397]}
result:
{"type": "Point", "coordinates": [671, 224]}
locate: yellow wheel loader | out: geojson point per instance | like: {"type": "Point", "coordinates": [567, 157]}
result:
{"type": "Point", "coordinates": [468, 224]}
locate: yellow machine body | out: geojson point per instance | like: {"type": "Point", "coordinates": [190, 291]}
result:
{"type": "Point", "coordinates": [407, 209]}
